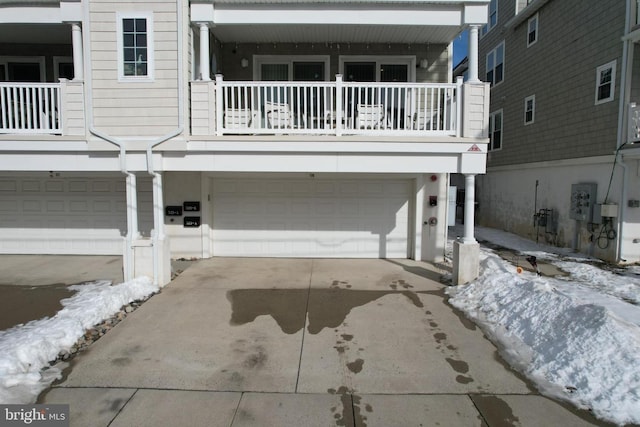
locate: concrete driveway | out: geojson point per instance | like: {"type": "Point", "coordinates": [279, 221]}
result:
{"type": "Point", "coordinates": [300, 342]}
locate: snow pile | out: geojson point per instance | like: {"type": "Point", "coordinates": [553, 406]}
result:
{"type": "Point", "coordinates": [26, 349]}
{"type": "Point", "coordinates": [574, 348]}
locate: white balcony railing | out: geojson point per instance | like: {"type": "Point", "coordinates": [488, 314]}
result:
{"type": "Point", "coordinates": [30, 108]}
{"type": "Point", "coordinates": [337, 108]}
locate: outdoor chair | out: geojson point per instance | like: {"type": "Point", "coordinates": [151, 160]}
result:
{"type": "Point", "coordinates": [280, 116]}
{"type": "Point", "coordinates": [239, 118]}
{"type": "Point", "coordinates": [370, 116]}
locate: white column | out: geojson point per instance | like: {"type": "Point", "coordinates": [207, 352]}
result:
{"type": "Point", "coordinates": [473, 53]}
{"type": "Point", "coordinates": [469, 207]}
{"type": "Point", "coordinates": [204, 52]}
{"type": "Point", "coordinates": [78, 62]}
{"type": "Point", "coordinates": [132, 206]}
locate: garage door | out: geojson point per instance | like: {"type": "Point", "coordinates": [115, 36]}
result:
{"type": "Point", "coordinates": [311, 218]}
{"type": "Point", "coordinates": [62, 216]}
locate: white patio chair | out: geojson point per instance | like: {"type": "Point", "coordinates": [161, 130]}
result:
{"type": "Point", "coordinates": [370, 116]}
{"type": "Point", "coordinates": [278, 115]}
{"type": "Point", "coordinates": [239, 118]}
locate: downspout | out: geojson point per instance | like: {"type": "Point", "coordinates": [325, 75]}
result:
{"type": "Point", "coordinates": [157, 188]}
{"type": "Point", "coordinates": [86, 47]}
{"type": "Point", "coordinates": [158, 217]}
{"type": "Point", "coordinates": [622, 127]}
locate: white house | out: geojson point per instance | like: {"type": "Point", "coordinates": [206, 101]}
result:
{"type": "Point", "coordinates": [259, 128]}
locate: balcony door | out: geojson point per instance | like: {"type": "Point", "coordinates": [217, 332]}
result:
{"type": "Point", "coordinates": [305, 100]}
{"type": "Point", "coordinates": [22, 69]}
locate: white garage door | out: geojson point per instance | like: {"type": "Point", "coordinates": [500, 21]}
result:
{"type": "Point", "coordinates": [311, 218]}
{"type": "Point", "coordinates": [62, 216]}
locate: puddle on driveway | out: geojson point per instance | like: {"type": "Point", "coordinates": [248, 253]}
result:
{"type": "Point", "coordinates": [496, 411]}
{"type": "Point", "coordinates": [21, 304]}
{"type": "Point", "coordinates": [327, 309]}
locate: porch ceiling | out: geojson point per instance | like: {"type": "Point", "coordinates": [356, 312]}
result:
{"type": "Point", "coordinates": [335, 34]}
{"type": "Point", "coordinates": [35, 34]}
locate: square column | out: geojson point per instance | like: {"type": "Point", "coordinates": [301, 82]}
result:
{"type": "Point", "coordinates": [466, 252]}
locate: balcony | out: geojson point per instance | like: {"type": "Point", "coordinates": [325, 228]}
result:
{"type": "Point", "coordinates": [42, 108]}
{"type": "Point", "coordinates": [326, 108]}
{"type": "Point", "coordinates": [30, 108]}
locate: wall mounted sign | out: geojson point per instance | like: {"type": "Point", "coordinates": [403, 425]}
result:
{"type": "Point", "coordinates": [192, 221]}
{"type": "Point", "coordinates": [173, 210]}
{"type": "Point", "coordinates": [191, 206]}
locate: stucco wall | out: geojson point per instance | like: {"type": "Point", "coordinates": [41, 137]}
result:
{"type": "Point", "coordinates": [507, 197]}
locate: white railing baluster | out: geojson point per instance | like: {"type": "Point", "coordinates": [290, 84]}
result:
{"type": "Point", "coordinates": [335, 108]}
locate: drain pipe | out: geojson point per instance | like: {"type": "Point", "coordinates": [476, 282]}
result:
{"type": "Point", "coordinates": [622, 128]}
{"type": "Point", "coordinates": [158, 215]}
{"type": "Point", "coordinates": [157, 187]}
{"type": "Point", "coordinates": [132, 217]}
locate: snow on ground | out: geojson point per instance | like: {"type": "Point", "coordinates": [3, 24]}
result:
{"type": "Point", "coordinates": [26, 349]}
{"type": "Point", "coordinates": [576, 336]}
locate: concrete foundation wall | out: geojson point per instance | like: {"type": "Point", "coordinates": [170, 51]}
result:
{"type": "Point", "coordinates": [507, 200]}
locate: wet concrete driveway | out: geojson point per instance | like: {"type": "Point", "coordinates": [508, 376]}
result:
{"type": "Point", "coordinates": [300, 342]}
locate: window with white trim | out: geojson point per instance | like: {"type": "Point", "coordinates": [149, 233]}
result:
{"type": "Point", "coordinates": [495, 65]}
{"type": "Point", "coordinates": [605, 82]}
{"type": "Point", "coordinates": [492, 19]}
{"type": "Point", "coordinates": [532, 30]}
{"type": "Point", "coordinates": [529, 109]}
{"type": "Point", "coordinates": [495, 130]}
{"type": "Point", "coordinates": [291, 68]}
{"type": "Point", "coordinates": [135, 46]}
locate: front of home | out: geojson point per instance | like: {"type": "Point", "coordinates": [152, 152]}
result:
{"type": "Point", "coordinates": [170, 129]}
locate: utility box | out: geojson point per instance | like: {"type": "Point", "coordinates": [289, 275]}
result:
{"type": "Point", "coordinates": [583, 197]}
{"type": "Point", "coordinates": [601, 211]}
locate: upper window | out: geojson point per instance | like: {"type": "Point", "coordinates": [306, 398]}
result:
{"type": "Point", "coordinates": [529, 109]}
{"type": "Point", "coordinates": [492, 19]}
{"type": "Point", "coordinates": [495, 65]}
{"type": "Point", "coordinates": [135, 46]}
{"type": "Point", "coordinates": [532, 30]}
{"type": "Point", "coordinates": [495, 130]}
{"type": "Point", "coordinates": [605, 82]}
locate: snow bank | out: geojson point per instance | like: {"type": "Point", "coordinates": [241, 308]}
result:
{"type": "Point", "coordinates": [577, 351]}
{"type": "Point", "coordinates": [26, 349]}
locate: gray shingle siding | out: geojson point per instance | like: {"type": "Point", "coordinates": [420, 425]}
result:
{"type": "Point", "coordinates": [560, 70]}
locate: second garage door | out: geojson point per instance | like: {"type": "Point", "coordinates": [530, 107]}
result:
{"type": "Point", "coordinates": [311, 218]}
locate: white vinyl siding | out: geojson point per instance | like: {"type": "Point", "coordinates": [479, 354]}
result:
{"type": "Point", "coordinates": [605, 82]}
{"type": "Point", "coordinates": [140, 107]}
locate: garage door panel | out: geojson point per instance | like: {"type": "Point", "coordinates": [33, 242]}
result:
{"type": "Point", "coordinates": [62, 216]}
{"type": "Point", "coordinates": [330, 218]}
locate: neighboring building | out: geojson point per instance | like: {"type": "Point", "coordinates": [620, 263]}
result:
{"type": "Point", "coordinates": [561, 167]}
{"type": "Point", "coordinates": [262, 128]}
